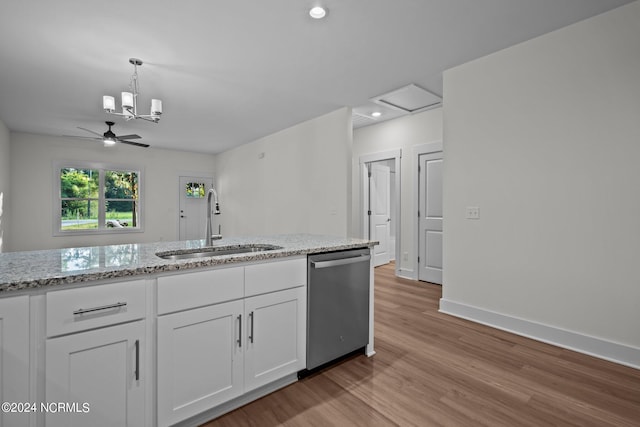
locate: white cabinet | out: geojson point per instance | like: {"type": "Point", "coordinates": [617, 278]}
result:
{"type": "Point", "coordinates": [210, 355]}
{"type": "Point", "coordinates": [97, 373]}
{"type": "Point", "coordinates": [14, 357]}
{"type": "Point", "coordinates": [199, 360]}
{"type": "Point", "coordinates": [100, 373]}
{"type": "Point", "coordinates": [276, 331]}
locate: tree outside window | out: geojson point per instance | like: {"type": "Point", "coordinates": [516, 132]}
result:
{"type": "Point", "coordinates": [94, 199]}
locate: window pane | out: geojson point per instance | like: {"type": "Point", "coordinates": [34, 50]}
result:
{"type": "Point", "coordinates": [119, 214]}
{"type": "Point", "coordinates": [195, 190]}
{"type": "Point", "coordinates": [121, 185]}
{"type": "Point", "coordinates": [79, 215]}
{"type": "Point", "coordinates": [79, 183]}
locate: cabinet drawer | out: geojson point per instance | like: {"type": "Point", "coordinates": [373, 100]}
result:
{"type": "Point", "coordinates": [76, 310]}
{"type": "Point", "coordinates": [275, 276]}
{"type": "Point", "coordinates": [190, 290]}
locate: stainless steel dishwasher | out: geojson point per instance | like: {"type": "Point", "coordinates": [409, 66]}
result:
{"type": "Point", "coordinates": [337, 305]}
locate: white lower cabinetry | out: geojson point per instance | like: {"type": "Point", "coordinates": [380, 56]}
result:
{"type": "Point", "coordinates": [95, 354]}
{"type": "Point", "coordinates": [14, 358]}
{"type": "Point", "coordinates": [158, 351]}
{"type": "Point", "coordinates": [98, 375]}
{"type": "Point", "coordinates": [210, 355]}
{"type": "Point", "coordinates": [199, 360]}
{"type": "Point", "coordinates": [276, 331]}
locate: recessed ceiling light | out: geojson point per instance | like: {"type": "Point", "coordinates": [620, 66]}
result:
{"type": "Point", "coordinates": [376, 114]}
{"type": "Point", "coordinates": [318, 12]}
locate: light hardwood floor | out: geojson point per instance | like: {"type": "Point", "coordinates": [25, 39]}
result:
{"type": "Point", "coordinates": [432, 369]}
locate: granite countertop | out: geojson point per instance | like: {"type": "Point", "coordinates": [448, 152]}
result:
{"type": "Point", "coordinates": [38, 269]}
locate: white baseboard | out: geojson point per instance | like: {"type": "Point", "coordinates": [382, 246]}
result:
{"type": "Point", "coordinates": [603, 349]}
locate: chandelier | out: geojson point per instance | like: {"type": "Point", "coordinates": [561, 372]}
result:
{"type": "Point", "coordinates": [130, 100]}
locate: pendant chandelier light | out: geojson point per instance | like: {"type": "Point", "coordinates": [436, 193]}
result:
{"type": "Point", "coordinates": [130, 100]}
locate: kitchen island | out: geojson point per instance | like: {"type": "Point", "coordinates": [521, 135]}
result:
{"type": "Point", "coordinates": [151, 340]}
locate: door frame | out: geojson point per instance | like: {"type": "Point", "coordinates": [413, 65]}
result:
{"type": "Point", "coordinates": [427, 148]}
{"type": "Point", "coordinates": [395, 155]}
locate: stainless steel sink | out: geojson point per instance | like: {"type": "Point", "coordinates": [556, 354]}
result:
{"type": "Point", "coordinates": [215, 251]}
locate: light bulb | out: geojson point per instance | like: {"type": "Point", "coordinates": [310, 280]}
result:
{"type": "Point", "coordinates": [317, 12]}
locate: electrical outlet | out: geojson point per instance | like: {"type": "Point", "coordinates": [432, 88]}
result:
{"type": "Point", "coordinates": [473, 212]}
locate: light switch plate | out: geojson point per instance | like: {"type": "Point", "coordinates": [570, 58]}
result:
{"type": "Point", "coordinates": [473, 212]}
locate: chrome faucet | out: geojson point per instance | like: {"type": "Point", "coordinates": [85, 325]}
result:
{"type": "Point", "coordinates": [210, 236]}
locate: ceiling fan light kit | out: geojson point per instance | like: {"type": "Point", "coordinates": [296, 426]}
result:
{"type": "Point", "coordinates": [109, 138]}
{"type": "Point", "coordinates": [130, 100]}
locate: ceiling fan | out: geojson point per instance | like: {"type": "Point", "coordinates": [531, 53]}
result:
{"type": "Point", "coordinates": [109, 138]}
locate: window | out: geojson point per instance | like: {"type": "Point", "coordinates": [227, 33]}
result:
{"type": "Point", "coordinates": [195, 190]}
{"type": "Point", "coordinates": [95, 198]}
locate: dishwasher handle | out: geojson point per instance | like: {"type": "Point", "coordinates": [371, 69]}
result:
{"type": "Point", "coordinates": [340, 261]}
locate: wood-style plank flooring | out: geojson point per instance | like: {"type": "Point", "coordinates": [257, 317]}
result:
{"type": "Point", "coordinates": [431, 369]}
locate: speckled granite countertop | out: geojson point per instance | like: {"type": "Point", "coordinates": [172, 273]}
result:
{"type": "Point", "coordinates": [22, 271]}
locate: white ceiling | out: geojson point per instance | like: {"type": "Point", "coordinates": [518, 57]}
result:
{"type": "Point", "coordinates": [231, 71]}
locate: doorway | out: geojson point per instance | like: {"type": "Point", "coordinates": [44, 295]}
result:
{"type": "Point", "coordinates": [380, 203]}
{"type": "Point", "coordinates": [193, 206]}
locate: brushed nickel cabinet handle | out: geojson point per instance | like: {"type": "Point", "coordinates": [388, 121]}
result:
{"type": "Point", "coordinates": [251, 335]}
{"type": "Point", "coordinates": [239, 330]}
{"type": "Point", "coordinates": [81, 311]}
{"type": "Point", "coordinates": [137, 372]}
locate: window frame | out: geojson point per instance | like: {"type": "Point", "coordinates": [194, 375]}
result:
{"type": "Point", "coordinates": [102, 228]}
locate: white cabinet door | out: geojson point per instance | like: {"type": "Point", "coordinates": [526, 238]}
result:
{"type": "Point", "coordinates": [275, 339]}
{"type": "Point", "coordinates": [98, 376]}
{"type": "Point", "coordinates": [199, 360]}
{"type": "Point", "coordinates": [14, 357]}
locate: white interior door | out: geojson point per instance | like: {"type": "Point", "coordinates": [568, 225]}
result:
{"type": "Point", "coordinates": [193, 206]}
{"type": "Point", "coordinates": [380, 218]}
{"type": "Point", "coordinates": [430, 214]}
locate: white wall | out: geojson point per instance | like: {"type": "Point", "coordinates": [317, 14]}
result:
{"type": "Point", "coordinates": [401, 133]}
{"type": "Point", "coordinates": [545, 138]}
{"type": "Point", "coordinates": [5, 177]}
{"type": "Point", "coordinates": [300, 185]}
{"type": "Point", "coordinates": [32, 159]}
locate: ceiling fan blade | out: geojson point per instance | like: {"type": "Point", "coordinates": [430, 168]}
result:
{"type": "Point", "coordinates": [90, 131]}
{"type": "Point", "coordinates": [138, 144]}
{"type": "Point", "coordinates": [82, 137]}
{"type": "Point", "coordinates": [133, 136]}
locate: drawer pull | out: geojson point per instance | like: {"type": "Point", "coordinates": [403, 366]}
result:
{"type": "Point", "coordinates": [104, 307]}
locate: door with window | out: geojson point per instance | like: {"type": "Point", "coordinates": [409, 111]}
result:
{"type": "Point", "coordinates": [193, 206]}
{"type": "Point", "coordinates": [430, 218]}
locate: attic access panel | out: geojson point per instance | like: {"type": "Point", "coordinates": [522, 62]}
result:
{"type": "Point", "coordinates": [410, 99]}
